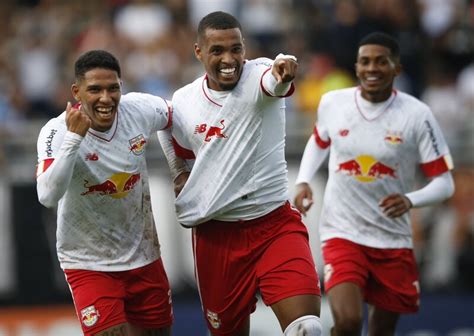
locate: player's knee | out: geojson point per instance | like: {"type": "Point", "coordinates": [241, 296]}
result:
{"type": "Point", "coordinates": [308, 325]}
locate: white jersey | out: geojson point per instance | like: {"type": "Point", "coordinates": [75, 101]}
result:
{"type": "Point", "coordinates": [375, 150]}
{"type": "Point", "coordinates": [105, 219]}
{"type": "Point", "coordinates": [238, 140]}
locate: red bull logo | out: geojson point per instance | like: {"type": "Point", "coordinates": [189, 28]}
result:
{"type": "Point", "coordinates": [212, 131]}
{"type": "Point", "coordinates": [89, 316]}
{"type": "Point", "coordinates": [137, 144]}
{"type": "Point", "coordinates": [116, 186]}
{"type": "Point", "coordinates": [366, 168]}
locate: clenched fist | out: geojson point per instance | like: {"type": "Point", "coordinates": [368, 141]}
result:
{"type": "Point", "coordinates": [77, 121]}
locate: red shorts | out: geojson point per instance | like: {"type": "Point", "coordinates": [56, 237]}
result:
{"type": "Point", "coordinates": [233, 260]}
{"type": "Point", "coordinates": [387, 277]}
{"type": "Point", "coordinates": [141, 297]}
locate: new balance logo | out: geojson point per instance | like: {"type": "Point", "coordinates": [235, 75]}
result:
{"type": "Point", "coordinates": [211, 131]}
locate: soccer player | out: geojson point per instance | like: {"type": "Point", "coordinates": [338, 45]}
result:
{"type": "Point", "coordinates": [378, 138]}
{"type": "Point", "coordinates": [91, 166]}
{"type": "Point", "coordinates": [246, 237]}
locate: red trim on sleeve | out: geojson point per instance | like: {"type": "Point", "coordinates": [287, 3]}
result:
{"type": "Point", "coordinates": [289, 93]}
{"type": "Point", "coordinates": [182, 152]}
{"type": "Point", "coordinates": [435, 168]}
{"type": "Point", "coordinates": [261, 84]}
{"type": "Point", "coordinates": [43, 165]}
{"type": "Point", "coordinates": [323, 144]}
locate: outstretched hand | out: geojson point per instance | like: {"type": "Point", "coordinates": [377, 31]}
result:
{"type": "Point", "coordinates": [284, 69]}
{"type": "Point", "coordinates": [395, 205]}
{"type": "Point", "coordinates": [77, 121]}
{"type": "Point", "coordinates": [304, 198]}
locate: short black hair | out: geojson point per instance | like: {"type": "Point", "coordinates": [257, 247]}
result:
{"type": "Point", "coordinates": [95, 59]}
{"type": "Point", "coordinates": [382, 39]}
{"type": "Point", "coordinates": [218, 20]}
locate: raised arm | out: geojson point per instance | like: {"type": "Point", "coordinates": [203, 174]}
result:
{"type": "Point", "coordinates": [278, 82]}
{"type": "Point", "coordinates": [55, 169]}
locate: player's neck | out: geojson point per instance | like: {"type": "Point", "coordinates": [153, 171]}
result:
{"type": "Point", "coordinates": [377, 97]}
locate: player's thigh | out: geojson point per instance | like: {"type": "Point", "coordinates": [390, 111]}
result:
{"type": "Point", "coordinates": [137, 331]}
{"type": "Point", "coordinates": [224, 270]}
{"type": "Point", "coordinates": [346, 303]}
{"type": "Point", "coordinates": [122, 329]}
{"type": "Point", "coordinates": [345, 278]}
{"type": "Point", "coordinates": [148, 303]}
{"type": "Point", "coordinates": [98, 299]}
{"type": "Point", "coordinates": [393, 285]}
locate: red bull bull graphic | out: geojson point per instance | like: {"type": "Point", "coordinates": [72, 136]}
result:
{"type": "Point", "coordinates": [212, 131]}
{"type": "Point", "coordinates": [366, 168]}
{"type": "Point", "coordinates": [137, 144]}
{"type": "Point", "coordinates": [116, 186]}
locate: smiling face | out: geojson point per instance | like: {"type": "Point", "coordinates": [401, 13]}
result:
{"type": "Point", "coordinates": [99, 92]}
{"type": "Point", "coordinates": [222, 52]}
{"type": "Point", "coordinates": [376, 69]}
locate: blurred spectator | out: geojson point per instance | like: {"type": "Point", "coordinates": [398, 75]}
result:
{"type": "Point", "coordinates": [142, 21]}
{"type": "Point", "coordinates": [199, 8]}
{"type": "Point", "coordinates": [442, 97]}
{"type": "Point", "coordinates": [465, 89]}
{"type": "Point", "coordinates": [321, 76]}
{"type": "Point", "coordinates": [265, 21]}
{"type": "Point", "coordinates": [437, 16]}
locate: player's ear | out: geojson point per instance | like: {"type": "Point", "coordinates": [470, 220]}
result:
{"type": "Point", "coordinates": [75, 91]}
{"type": "Point", "coordinates": [356, 68]}
{"type": "Point", "coordinates": [197, 52]}
{"type": "Point", "coordinates": [398, 68]}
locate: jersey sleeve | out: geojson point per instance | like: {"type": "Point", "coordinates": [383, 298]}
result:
{"type": "Point", "coordinates": [320, 131]}
{"type": "Point", "coordinates": [49, 142]}
{"type": "Point", "coordinates": [176, 163]}
{"type": "Point", "coordinates": [432, 147]}
{"type": "Point", "coordinates": [57, 153]}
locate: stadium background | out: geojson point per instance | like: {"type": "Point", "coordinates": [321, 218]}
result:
{"type": "Point", "coordinates": [40, 39]}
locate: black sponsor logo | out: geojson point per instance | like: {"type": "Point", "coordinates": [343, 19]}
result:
{"type": "Point", "coordinates": [434, 142]}
{"type": "Point", "coordinates": [49, 141]}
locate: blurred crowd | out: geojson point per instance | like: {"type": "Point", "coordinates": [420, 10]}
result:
{"type": "Point", "coordinates": [40, 40]}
